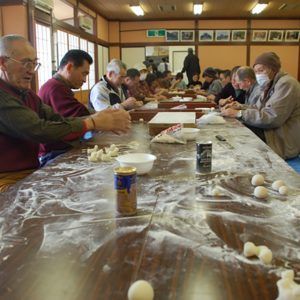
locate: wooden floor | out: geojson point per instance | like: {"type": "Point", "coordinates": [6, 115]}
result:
{"type": "Point", "coordinates": [61, 238]}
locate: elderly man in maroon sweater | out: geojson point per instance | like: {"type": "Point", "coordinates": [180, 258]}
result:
{"type": "Point", "coordinates": [25, 121]}
{"type": "Point", "coordinates": [57, 93]}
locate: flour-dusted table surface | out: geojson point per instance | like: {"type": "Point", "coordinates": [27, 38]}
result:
{"type": "Point", "coordinates": [61, 239]}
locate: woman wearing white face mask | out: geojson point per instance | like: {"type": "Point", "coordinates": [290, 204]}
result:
{"type": "Point", "coordinates": [275, 117]}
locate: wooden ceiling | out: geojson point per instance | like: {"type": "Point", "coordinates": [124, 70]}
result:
{"type": "Point", "coordinates": [119, 9]}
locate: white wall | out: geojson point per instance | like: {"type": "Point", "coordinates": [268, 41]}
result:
{"type": "Point", "coordinates": [133, 56]}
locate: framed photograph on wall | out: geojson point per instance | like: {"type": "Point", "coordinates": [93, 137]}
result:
{"type": "Point", "coordinates": [292, 35]}
{"type": "Point", "coordinates": [238, 35]}
{"type": "Point", "coordinates": [222, 35]}
{"type": "Point", "coordinates": [206, 35]}
{"type": "Point", "coordinates": [275, 35]}
{"type": "Point", "coordinates": [259, 35]}
{"type": "Point", "coordinates": [187, 35]}
{"type": "Point", "coordinates": [172, 35]}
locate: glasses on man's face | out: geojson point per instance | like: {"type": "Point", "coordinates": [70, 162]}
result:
{"type": "Point", "coordinates": [27, 64]}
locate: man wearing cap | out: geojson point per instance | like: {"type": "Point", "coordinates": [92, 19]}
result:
{"type": "Point", "coordinates": [275, 117]}
{"type": "Point", "coordinates": [212, 83]}
{"type": "Point", "coordinates": [191, 65]}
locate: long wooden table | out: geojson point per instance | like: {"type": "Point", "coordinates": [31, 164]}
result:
{"type": "Point", "coordinates": [61, 238]}
{"type": "Point", "coordinates": [189, 104]}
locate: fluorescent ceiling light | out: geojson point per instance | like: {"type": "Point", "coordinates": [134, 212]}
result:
{"type": "Point", "coordinates": [198, 9]}
{"type": "Point", "coordinates": [137, 10]}
{"type": "Point", "coordinates": [258, 8]}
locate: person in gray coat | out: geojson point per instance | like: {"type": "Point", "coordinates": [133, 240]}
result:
{"type": "Point", "coordinates": [191, 65]}
{"type": "Point", "coordinates": [275, 117]}
{"type": "Point", "coordinates": [247, 81]}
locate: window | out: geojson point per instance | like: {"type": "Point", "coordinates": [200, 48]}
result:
{"type": "Point", "coordinates": [73, 41]}
{"type": "Point", "coordinates": [43, 47]}
{"type": "Point", "coordinates": [67, 41]}
{"type": "Point", "coordinates": [91, 51]}
{"type": "Point", "coordinates": [62, 45]}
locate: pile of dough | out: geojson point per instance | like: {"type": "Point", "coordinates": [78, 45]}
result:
{"type": "Point", "coordinates": [140, 290]}
{"type": "Point", "coordinates": [262, 252]}
{"type": "Point", "coordinates": [96, 155]}
{"type": "Point", "coordinates": [288, 289]}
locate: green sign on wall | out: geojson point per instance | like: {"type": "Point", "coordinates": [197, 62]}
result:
{"type": "Point", "coordinates": [156, 33]}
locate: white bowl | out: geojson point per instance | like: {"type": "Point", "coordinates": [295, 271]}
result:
{"type": "Point", "coordinates": [143, 162]}
{"type": "Point", "coordinates": [190, 134]}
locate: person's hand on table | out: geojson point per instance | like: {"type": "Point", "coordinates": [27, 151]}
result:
{"type": "Point", "coordinates": [229, 112]}
{"type": "Point", "coordinates": [139, 103]}
{"type": "Point", "coordinates": [211, 97]}
{"type": "Point", "coordinates": [225, 101]}
{"type": "Point", "coordinates": [116, 120]}
{"type": "Point", "coordinates": [234, 105]}
{"type": "Point", "coordinates": [160, 97]}
{"type": "Point", "coordinates": [129, 103]}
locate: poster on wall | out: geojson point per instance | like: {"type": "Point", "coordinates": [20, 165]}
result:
{"type": "Point", "coordinates": [206, 35]}
{"type": "Point", "coordinates": [259, 35]}
{"type": "Point", "coordinates": [292, 35]}
{"type": "Point", "coordinates": [172, 35]}
{"type": "Point", "coordinates": [275, 35]}
{"type": "Point", "coordinates": [187, 35]}
{"type": "Point", "coordinates": [222, 35]}
{"type": "Point", "coordinates": [238, 35]}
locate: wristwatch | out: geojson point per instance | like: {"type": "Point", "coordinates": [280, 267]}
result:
{"type": "Point", "coordinates": [239, 114]}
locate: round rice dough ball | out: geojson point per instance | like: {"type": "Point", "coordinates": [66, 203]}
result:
{"type": "Point", "coordinates": [257, 180]}
{"type": "Point", "coordinates": [283, 190]}
{"type": "Point", "coordinates": [260, 192]}
{"type": "Point", "coordinates": [277, 184]}
{"type": "Point", "coordinates": [140, 290]}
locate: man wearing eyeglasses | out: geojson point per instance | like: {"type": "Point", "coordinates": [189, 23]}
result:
{"type": "Point", "coordinates": [25, 121]}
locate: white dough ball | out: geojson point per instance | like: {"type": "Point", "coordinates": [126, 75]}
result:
{"type": "Point", "coordinates": [283, 190]}
{"type": "Point", "coordinates": [265, 254]}
{"type": "Point", "coordinates": [288, 274]}
{"type": "Point", "coordinates": [277, 184]}
{"type": "Point", "coordinates": [257, 180]}
{"type": "Point", "coordinates": [260, 192]}
{"type": "Point", "coordinates": [141, 120]}
{"type": "Point", "coordinates": [140, 290]}
{"type": "Point", "coordinates": [250, 249]}
{"type": "Point", "coordinates": [90, 150]}
{"type": "Point", "coordinates": [216, 192]}
{"type": "Point", "coordinates": [105, 157]}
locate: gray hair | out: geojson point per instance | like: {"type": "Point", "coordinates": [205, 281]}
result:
{"type": "Point", "coordinates": [6, 41]}
{"type": "Point", "coordinates": [245, 73]}
{"type": "Point", "coordinates": [115, 65]}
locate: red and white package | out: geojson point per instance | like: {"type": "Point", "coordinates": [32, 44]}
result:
{"type": "Point", "coordinates": [171, 135]}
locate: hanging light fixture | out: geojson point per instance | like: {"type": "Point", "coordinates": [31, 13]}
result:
{"type": "Point", "coordinates": [198, 9]}
{"type": "Point", "coordinates": [137, 9]}
{"type": "Point", "coordinates": [259, 7]}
